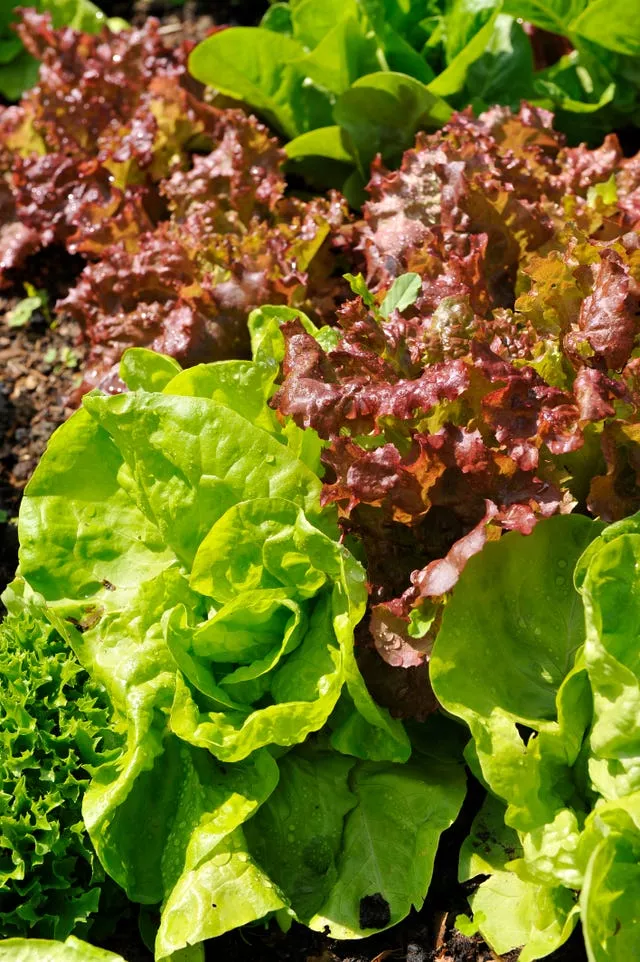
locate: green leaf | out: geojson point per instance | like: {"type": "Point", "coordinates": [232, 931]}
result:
{"type": "Point", "coordinates": [64, 497]}
{"type": "Point", "coordinates": [612, 605]}
{"type": "Point", "coordinates": [259, 67]}
{"type": "Point", "coordinates": [297, 834]}
{"type": "Point", "coordinates": [552, 15]}
{"type": "Point", "coordinates": [327, 142]}
{"type": "Point", "coordinates": [464, 20]}
{"type": "Point", "coordinates": [609, 897]}
{"type": "Point", "coordinates": [345, 53]}
{"type": "Point", "coordinates": [312, 21]}
{"type": "Point", "coordinates": [265, 543]}
{"type": "Point", "coordinates": [402, 294]}
{"type": "Point", "coordinates": [42, 950]}
{"type": "Point", "coordinates": [504, 72]}
{"type": "Point", "coordinates": [608, 23]}
{"type": "Point", "coordinates": [510, 913]}
{"type": "Point", "coordinates": [453, 79]}
{"type": "Point", "coordinates": [37, 300]}
{"type": "Point", "coordinates": [536, 573]}
{"type": "Point", "coordinates": [278, 19]}
{"type": "Point", "coordinates": [358, 285]}
{"type": "Point", "coordinates": [18, 75]}
{"type": "Point", "coordinates": [240, 385]}
{"type": "Point", "coordinates": [537, 681]}
{"type": "Point", "coordinates": [402, 58]}
{"type": "Point", "coordinates": [382, 112]}
{"type": "Point", "coordinates": [145, 370]}
{"type": "Point", "coordinates": [80, 14]}
{"type": "Point", "coordinates": [389, 843]}
{"type": "Point", "coordinates": [490, 845]}
{"type": "Point", "coordinates": [304, 689]}
{"type": "Point", "coordinates": [606, 192]}
{"type": "Point", "coordinates": [209, 456]}
{"type": "Point", "coordinates": [223, 891]}
{"type": "Point", "coordinates": [465, 925]}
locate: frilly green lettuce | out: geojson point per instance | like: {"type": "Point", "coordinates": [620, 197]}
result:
{"type": "Point", "coordinates": [54, 730]}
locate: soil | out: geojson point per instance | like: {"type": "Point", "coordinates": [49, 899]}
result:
{"type": "Point", "coordinates": [40, 365]}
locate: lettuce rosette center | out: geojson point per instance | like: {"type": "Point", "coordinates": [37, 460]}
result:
{"type": "Point", "coordinates": [266, 665]}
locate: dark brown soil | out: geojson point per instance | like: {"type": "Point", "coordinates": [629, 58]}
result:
{"type": "Point", "coordinates": [191, 19]}
{"type": "Point", "coordinates": [40, 364]}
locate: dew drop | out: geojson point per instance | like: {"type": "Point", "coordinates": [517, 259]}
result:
{"type": "Point", "coordinates": [562, 563]}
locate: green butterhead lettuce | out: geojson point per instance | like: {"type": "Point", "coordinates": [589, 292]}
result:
{"type": "Point", "coordinates": [556, 732]}
{"type": "Point", "coordinates": [177, 538]}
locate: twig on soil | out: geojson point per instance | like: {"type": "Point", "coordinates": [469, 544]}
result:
{"type": "Point", "coordinates": [442, 929]}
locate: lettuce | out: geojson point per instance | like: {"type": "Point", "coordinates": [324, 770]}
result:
{"type": "Point", "coordinates": [555, 734]}
{"type": "Point", "coordinates": [177, 207]}
{"type": "Point", "coordinates": [502, 388]}
{"type": "Point", "coordinates": [176, 538]}
{"type": "Point", "coordinates": [54, 730]}
{"type": "Point", "coordinates": [344, 80]}
{"type": "Point", "coordinates": [18, 68]}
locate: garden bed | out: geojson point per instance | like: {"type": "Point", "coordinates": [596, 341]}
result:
{"type": "Point", "coordinates": [481, 382]}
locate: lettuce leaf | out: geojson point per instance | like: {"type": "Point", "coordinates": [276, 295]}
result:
{"type": "Point", "coordinates": [18, 69]}
{"type": "Point", "coordinates": [43, 950]}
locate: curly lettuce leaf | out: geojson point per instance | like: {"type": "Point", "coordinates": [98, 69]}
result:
{"type": "Point", "coordinates": [18, 69]}
{"type": "Point", "coordinates": [56, 728]}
